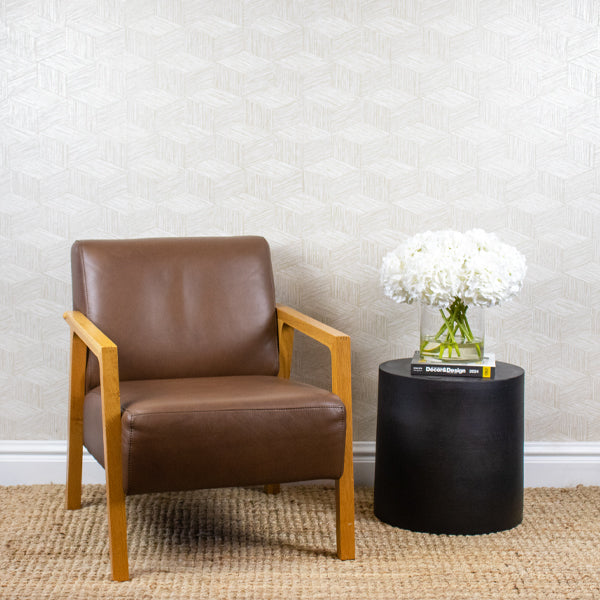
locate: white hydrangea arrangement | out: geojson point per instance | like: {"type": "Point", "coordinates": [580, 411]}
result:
{"type": "Point", "coordinates": [452, 270]}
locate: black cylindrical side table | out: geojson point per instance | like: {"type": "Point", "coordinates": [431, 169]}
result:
{"type": "Point", "coordinates": [449, 455]}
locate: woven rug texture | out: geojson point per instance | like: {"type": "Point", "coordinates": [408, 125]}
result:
{"type": "Point", "coordinates": [242, 544]}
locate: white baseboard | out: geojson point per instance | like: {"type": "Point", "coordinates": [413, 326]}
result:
{"type": "Point", "coordinates": [24, 462]}
{"type": "Point", "coordinates": [547, 464]}
{"type": "Point", "coordinates": [563, 464]}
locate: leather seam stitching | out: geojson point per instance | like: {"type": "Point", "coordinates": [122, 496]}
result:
{"type": "Point", "coordinates": [131, 419]}
{"type": "Point", "coordinates": [231, 410]}
{"type": "Point", "coordinates": [85, 288]}
{"type": "Point", "coordinates": [88, 368]}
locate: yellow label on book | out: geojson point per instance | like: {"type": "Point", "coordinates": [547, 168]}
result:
{"type": "Point", "coordinates": [487, 372]}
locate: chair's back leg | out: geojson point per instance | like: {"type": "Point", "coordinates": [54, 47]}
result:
{"type": "Point", "coordinates": [75, 424]}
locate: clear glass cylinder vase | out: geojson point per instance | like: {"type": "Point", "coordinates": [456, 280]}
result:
{"type": "Point", "coordinates": [452, 334]}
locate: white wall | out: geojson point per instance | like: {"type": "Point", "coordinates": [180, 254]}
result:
{"type": "Point", "coordinates": [335, 129]}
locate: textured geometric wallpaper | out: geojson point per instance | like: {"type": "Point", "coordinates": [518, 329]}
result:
{"type": "Point", "coordinates": [335, 129]}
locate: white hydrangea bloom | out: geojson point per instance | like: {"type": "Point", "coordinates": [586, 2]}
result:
{"type": "Point", "coordinates": [436, 267]}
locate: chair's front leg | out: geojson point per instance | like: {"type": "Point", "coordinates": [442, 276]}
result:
{"type": "Point", "coordinates": [344, 504]}
{"type": "Point", "coordinates": [75, 434]}
{"type": "Point", "coordinates": [115, 496]}
{"type": "Point", "coordinates": [344, 487]}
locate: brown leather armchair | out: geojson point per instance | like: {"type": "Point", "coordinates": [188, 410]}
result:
{"type": "Point", "coordinates": [200, 395]}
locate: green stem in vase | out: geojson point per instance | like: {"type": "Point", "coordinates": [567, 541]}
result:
{"type": "Point", "coordinates": [449, 342]}
{"type": "Point", "coordinates": [454, 331]}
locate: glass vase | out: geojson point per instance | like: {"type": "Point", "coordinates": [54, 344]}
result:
{"type": "Point", "coordinates": [452, 334]}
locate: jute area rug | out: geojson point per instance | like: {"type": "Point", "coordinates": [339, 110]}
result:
{"type": "Point", "coordinates": [243, 544]}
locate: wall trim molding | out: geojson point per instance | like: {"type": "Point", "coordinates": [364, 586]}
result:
{"type": "Point", "coordinates": [30, 462]}
{"type": "Point", "coordinates": [547, 464]}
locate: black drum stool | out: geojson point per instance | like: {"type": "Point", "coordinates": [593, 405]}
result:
{"type": "Point", "coordinates": [449, 454]}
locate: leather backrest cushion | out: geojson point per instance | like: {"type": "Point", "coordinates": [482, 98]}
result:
{"type": "Point", "coordinates": [180, 307]}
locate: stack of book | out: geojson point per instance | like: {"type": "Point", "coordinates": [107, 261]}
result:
{"type": "Point", "coordinates": [485, 368]}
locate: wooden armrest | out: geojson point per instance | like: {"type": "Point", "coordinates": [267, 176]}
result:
{"type": "Point", "coordinates": [338, 343]}
{"type": "Point", "coordinates": [311, 327]}
{"type": "Point", "coordinates": [89, 334]}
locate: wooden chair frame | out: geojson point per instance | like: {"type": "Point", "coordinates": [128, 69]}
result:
{"type": "Point", "coordinates": [85, 335]}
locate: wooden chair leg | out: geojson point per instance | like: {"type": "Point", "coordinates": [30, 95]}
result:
{"type": "Point", "coordinates": [75, 422]}
{"type": "Point", "coordinates": [115, 496]}
{"type": "Point", "coordinates": [344, 486]}
{"type": "Point", "coordinates": [344, 504]}
{"type": "Point", "coordinates": [117, 530]}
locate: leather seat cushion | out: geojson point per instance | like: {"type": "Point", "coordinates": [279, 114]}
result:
{"type": "Point", "coordinates": [193, 433]}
